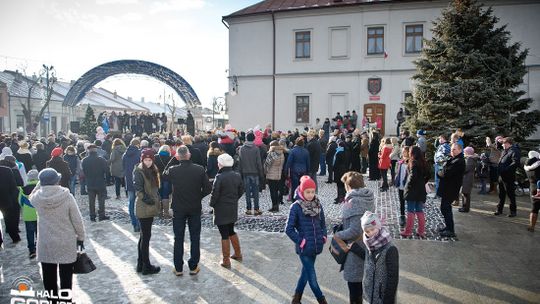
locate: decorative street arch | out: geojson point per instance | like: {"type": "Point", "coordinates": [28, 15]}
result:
{"type": "Point", "coordinates": [101, 72]}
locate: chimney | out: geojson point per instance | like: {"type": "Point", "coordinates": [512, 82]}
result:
{"type": "Point", "coordinates": [114, 94]}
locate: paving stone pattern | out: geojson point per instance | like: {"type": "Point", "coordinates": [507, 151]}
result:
{"type": "Point", "coordinates": [387, 206]}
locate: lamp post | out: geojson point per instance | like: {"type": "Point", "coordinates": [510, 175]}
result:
{"type": "Point", "coordinates": [217, 106]}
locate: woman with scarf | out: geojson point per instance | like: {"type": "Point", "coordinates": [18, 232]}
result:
{"type": "Point", "coordinates": [146, 184]}
{"type": "Point", "coordinates": [306, 227]}
{"type": "Point", "coordinates": [163, 162]}
{"type": "Point", "coordinates": [115, 162]}
{"type": "Point", "coordinates": [273, 166]}
{"type": "Point", "coordinates": [381, 267]}
{"type": "Point", "coordinates": [415, 192]}
{"type": "Point", "coordinates": [24, 156]}
{"type": "Point", "coordinates": [341, 166]}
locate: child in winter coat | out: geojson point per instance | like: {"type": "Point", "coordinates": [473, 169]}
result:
{"type": "Point", "coordinates": [468, 178]}
{"type": "Point", "coordinates": [381, 266]}
{"type": "Point", "coordinates": [29, 213]}
{"type": "Point", "coordinates": [400, 181]}
{"type": "Point", "coordinates": [306, 227]}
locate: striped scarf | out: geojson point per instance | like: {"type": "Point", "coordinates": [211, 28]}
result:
{"type": "Point", "coordinates": [379, 240]}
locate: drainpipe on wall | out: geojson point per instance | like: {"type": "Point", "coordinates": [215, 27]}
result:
{"type": "Point", "coordinates": [274, 72]}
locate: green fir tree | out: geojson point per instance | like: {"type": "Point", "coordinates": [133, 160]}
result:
{"type": "Point", "coordinates": [468, 77]}
{"type": "Point", "coordinates": [89, 124]}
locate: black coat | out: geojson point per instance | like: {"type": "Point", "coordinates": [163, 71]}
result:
{"type": "Point", "coordinates": [452, 179]}
{"type": "Point", "coordinates": [8, 188]}
{"type": "Point", "coordinates": [227, 189]}
{"type": "Point", "coordinates": [189, 185]}
{"type": "Point", "coordinates": [330, 152]}
{"type": "Point", "coordinates": [415, 186]}
{"type": "Point", "coordinates": [95, 169]}
{"type": "Point", "coordinates": [26, 159]}
{"type": "Point", "coordinates": [373, 155]}
{"type": "Point", "coordinates": [196, 156]}
{"type": "Point", "coordinates": [314, 149]}
{"type": "Point", "coordinates": [40, 159]}
{"type": "Point", "coordinates": [203, 148]}
{"type": "Point", "coordinates": [62, 167]}
{"type": "Point", "coordinates": [510, 160]}
{"type": "Point", "coordinates": [341, 166]}
{"type": "Point", "coordinates": [355, 154]}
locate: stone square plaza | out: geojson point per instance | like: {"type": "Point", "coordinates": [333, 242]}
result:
{"type": "Point", "coordinates": [492, 260]}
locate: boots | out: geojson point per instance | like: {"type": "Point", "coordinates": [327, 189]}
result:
{"type": "Point", "coordinates": [165, 205]}
{"type": "Point", "coordinates": [409, 225]}
{"type": "Point", "coordinates": [492, 188]}
{"type": "Point", "coordinates": [150, 269]}
{"type": "Point", "coordinates": [296, 298]}
{"type": "Point", "coordinates": [466, 199]}
{"type": "Point", "coordinates": [532, 219]}
{"type": "Point", "coordinates": [322, 300]}
{"type": "Point", "coordinates": [421, 232]}
{"type": "Point", "coordinates": [235, 241]}
{"type": "Point", "coordinates": [226, 251]}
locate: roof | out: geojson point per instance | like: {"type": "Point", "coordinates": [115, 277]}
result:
{"type": "Point", "coordinates": [18, 86]}
{"type": "Point", "coordinates": [271, 6]}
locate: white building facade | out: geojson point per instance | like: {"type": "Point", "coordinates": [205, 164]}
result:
{"type": "Point", "coordinates": [291, 65]}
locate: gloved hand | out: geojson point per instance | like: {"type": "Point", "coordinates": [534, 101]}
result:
{"type": "Point", "coordinates": [80, 244]}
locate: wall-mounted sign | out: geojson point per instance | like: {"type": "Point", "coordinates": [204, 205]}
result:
{"type": "Point", "coordinates": [377, 97]}
{"type": "Point", "coordinates": [374, 85]}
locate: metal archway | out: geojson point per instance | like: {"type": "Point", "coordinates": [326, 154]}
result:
{"type": "Point", "coordinates": [101, 72]}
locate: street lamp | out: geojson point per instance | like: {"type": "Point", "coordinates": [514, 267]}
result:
{"type": "Point", "coordinates": [217, 106]}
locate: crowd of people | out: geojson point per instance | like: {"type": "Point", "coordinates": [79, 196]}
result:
{"type": "Point", "coordinates": [167, 176]}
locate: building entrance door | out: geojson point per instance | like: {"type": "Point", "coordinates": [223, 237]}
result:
{"type": "Point", "coordinates": [375, 112]}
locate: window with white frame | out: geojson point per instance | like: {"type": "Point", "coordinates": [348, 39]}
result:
{"type": "Point", "coordinates": [414, 34]}
{"type": "Point", "coordinates": [302, 44]}
{"type": "Point", "coordinates": [375, 40]}
{"type": "Point", "coordinates": [19, 121]}
{"type": "Point", "coordinates": [302, 109]}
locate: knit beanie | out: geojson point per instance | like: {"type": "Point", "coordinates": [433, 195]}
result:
{"type": "Point", "coordinates": [57, 152]}
{"type": "Point", "coordinates": [32, 174]}
{"type": "Point", "coordinates": [49, 177]}
{"type": "Point", "coordinates": [468, 151]}
{"type": "Point", "coordinates": [369, 220]}
{"type": "Point", "coordinates": [225, 160]}
{"type": "Point", "coordinates": [147, 153]}
{"type": "Point", "coordinates": [306, 183]}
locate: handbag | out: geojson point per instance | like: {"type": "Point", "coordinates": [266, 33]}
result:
{"type": "Point", "coordinates": [339, 250]}
{"type": "Point", "coordinates": [83, 264]}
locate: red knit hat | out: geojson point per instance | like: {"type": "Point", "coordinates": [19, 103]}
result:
{"type": "Point", "coordinates": [57, 152]}
{"type": "Point", "coordinates": [306, 183]}
{"type": "Point", "coordinates": [148, 153]}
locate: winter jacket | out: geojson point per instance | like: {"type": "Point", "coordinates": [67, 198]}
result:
{"type": "Point", "coordinates": [196, 156]}
{"type": "Point", "coordinates": [130, 159]}
{"type": "Point", "coordinates": [415, 187]}
{"type": "Point", "coordinates": [510, 160]}
{"type": "Point", "coordinates": [95, 169]}
{"type": "Point", "coordinates": [298, 161]}
{"type": "Point", "coordinates": [29, 213]}
{"type": "Point", "coordinates": [107, 147]}
{"type": "Point", "coordinates": [384, 158]}
{"type": "Point", "coordinates": [331, 152]}
{"type": "Point", "coordinates": [144, 187]}
{"type": "Point", "coordinates": [212, 163]}
{"type": "Point", "coordinates": [25, 158]}
{"type": "Point", "coordinates": [314, 149]}
{"type": "Point", "coordinates": [226, 191]}
{"type": "Point", "coordinates": [40, 159]}
{"type": "Point", "coordinates": [62, 167]}
{"type": "Point", "coordinates": [203, 148]}
{"type": "Point", "coordinates": [8, 188]}
{"type": "Point", "coordinates": [73, 163]}
{"type": "Point", "coordinates": [402, 171]}
{"type": "Point", "coordinates": [364, 148]}
{"type": "Point", "coordinates": [494, 155]}
{"type": "Point", "coordinates": [273, 165]}
{"type": "Point", "coordinates": [357, 202]}
{"type": "Point", "coordinates": [249, 160]}
{"type": "Point", "coordinates": [60, 224]}
{"type": "Point", "coordinates": [532, 167]}
{"type": "Point", "coordinates": [381, 275]}
{"type": "Point", "coordinates": [468, 177]}
{"type": "Point", "coordinates": [422, 144]}
{"type": "Point", "coordinates": [341, 163]}
{"type": "Point", "coordinates": [452, 178]}
{"type": "Point", "coordinates": [395, 153]}
{"type": "Point", "coordinates": [115, 161]}
{"type": "Point", "coordinates": [190, 185]}
{"type": "Point", "coordinates": [312, 229]}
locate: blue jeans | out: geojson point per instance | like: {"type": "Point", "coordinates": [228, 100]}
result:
{"type": "Point", "coordinates": [415, 206]}
{"type": "Point", "coordinates": [82, 181]}
{"type": "Point", "coordinates": [308, 276]}
{"type": "Point", "coordinates": [131, 207]}
{"type": "Point", "coordinates": [72, 183]}
{"type": "Point", "coordinates": [251, 182]}
{"type": "Point", "coordinates": [165, 189]}
{"type": "Point", "coordinates": [31, 234]}
{"type": "Point", "coordinates": [179, 228]}
{"type": "Point", "coordinates": [436, 178]}
{"type": "Point", "coordinates": [322, 164]}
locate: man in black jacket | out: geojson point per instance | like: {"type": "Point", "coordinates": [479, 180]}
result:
{"type": "Point", "coordinates": [314, 148]}
{"type": "Point", "coordinates": [330, 152]}
{"type": "Point", "coordinates": [8, 203]}
{"type": "Point", "coordinates": [95, 169]}
{"type": "Point", "coordinates": [449, 186]}
{"type": "Point", "coordinates": [507, 175]}
{"type": "Point", "coordinates": [189, 185]}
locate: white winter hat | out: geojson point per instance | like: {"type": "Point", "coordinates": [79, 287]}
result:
{"type": "Point", "coordinates": [225, 160]}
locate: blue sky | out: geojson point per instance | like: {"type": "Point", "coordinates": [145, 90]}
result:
{"type": "Point", "coordinates": [186, 36]}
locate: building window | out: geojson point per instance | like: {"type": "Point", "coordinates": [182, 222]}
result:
{"type": "Point", "coordinates": [302, 109]}
{"type": "Point", "coordinates": [20, 121]}
{"type": "Point", "coordinates": [413, 38]}
{"type": "Point", "coordinates": [303, 44]}
{"type": "Point", "coordinates": [54, 125]}
{"type": "Point", "coordinates": [375, 40]}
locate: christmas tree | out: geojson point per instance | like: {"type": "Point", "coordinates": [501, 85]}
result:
{"type": "Point", "coordinates": [89, 124]}
{"type": "Point", "coordinates": [468, 77]}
